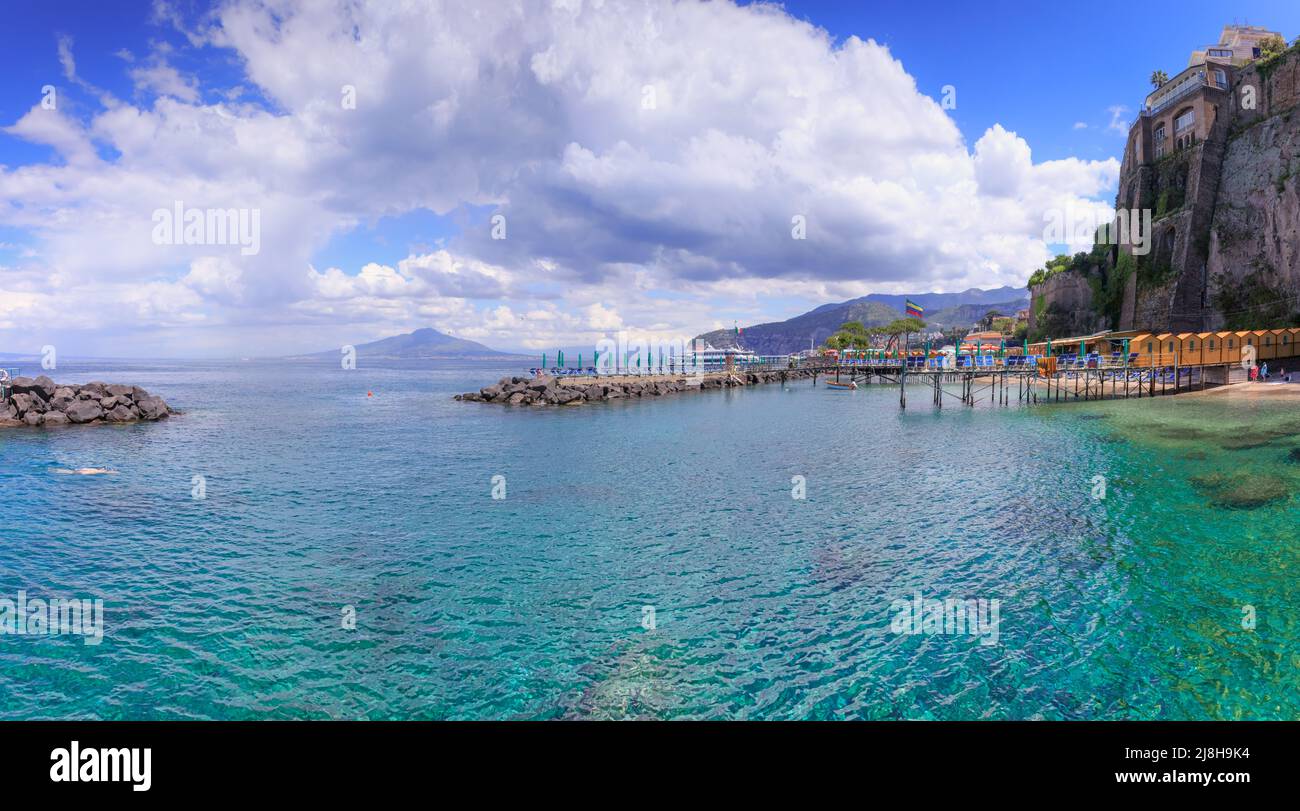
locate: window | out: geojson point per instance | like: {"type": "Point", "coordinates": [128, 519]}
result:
{"type": "Point", "coordinates": [1160, 133]}
{"type": "Point", "coordinates": [1232, 343]}
{"type": "Point", "coordinates": [1192, 346]}
{"type": "Point", "coordinates": [1171, 346]}
{"type": "Point", "coordinates": [1220, 78]}
{"type": "Point", "coordinates": [1211, 344]}
{"type": "Point", "coordinates": [1286, 339]}
{"type": "Point", "coordinates": [1255, 52]}
{"type": "Point", "coordinates": [1184, 121]}
{"type": "Point", "coordinates": [1250, 342]}
{"type": "Point", "coordinates": [1149, 344]}
{"type": "Point", "coordinates": [1223, 52]}
{"type": "Point", "coordinates": [1268, 340]}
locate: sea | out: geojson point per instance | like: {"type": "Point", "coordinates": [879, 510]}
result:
{"type": "Point", "coordinates": [305, 541]}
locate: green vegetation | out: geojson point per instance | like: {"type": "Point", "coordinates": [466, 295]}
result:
{"type": "Point", "coordinates": [1079, 263]}
{"type": "Point", "coordinates": [1271, 47]}
{"type": "Point", "coordinates": [1152, 274]}
{"type": "Point", "coordinates": [1162, 204]}
{"type": "Point", "coordinates": [1253, 302]}
{"type": "Point", "coordinates": [1108, 289]}
{"type": "Point", "coordinates": [1272, 52]}
{"type": "Point", "coordinates": [1159, 78]}
{"type": "Point", "coordinates": [1282, 178]}
{"type": "Point", "coordinates": [853, 335]}
{"type": "Point", "coordinates": [1053, 320]}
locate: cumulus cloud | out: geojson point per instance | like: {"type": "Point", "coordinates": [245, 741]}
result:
{"type": "Point", "coordinates": [650, 159]}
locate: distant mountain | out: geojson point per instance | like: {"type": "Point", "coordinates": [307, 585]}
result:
{"type": "Point", "coordinates": [423, 343]}
{"type": "Point", "coordinates": [996, 296]}
{"type": "Point", "coordinates": [942, 311]}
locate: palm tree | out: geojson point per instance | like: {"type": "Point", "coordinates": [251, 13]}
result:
{"type": "Point", "coordinates": [1158, 78]}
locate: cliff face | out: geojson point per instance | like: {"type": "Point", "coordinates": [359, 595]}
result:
{"type": "Point", "coordinates": [1225, 247]}
{"type": "Point", "coordinates": [1062, 306]}
{"type": "Point", "coordinates": [1253, 263]}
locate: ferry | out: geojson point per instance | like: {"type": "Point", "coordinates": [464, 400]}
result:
{"type": "Point", "coordinates": [712, 358]}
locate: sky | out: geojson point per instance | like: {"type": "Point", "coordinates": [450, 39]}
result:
{"type": "Point", "coordinates": [542, 174]}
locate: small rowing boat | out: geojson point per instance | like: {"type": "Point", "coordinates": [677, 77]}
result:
{"type": "Point", "coordinates": [837, 386]}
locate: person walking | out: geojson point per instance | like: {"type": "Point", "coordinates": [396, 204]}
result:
{"type": "Point", "coordinates": [1263, 371]}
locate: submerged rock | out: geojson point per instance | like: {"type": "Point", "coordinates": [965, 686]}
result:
{"type": "Point", "coordinates": [1246, 441]}
{"type": "Point", "coordinates": [1241, 490]}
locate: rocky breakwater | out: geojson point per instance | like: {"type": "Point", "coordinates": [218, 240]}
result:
{"type": "Point", "coordinates": [547, 391]}
{"type": "Point", "coordinates": [43, 402]}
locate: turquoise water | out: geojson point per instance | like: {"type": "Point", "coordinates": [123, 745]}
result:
{"type": "Point", "coordinates": [765, 606]}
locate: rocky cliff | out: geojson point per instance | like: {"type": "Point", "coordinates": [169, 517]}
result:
{"type": "Point", "coordinates": [1225, 246]}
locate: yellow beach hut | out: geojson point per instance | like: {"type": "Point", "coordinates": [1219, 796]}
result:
{"type": "Point", "coordinates": [1143, 344]}
{"type": "Point", "coordinates": [1189, 348]}
{"type": "Point", "coordinates": [1264, 340]}
{"type": "Point", "coordinates": [1166, 345]}
{"type": "Point", "coordinates": [1284, 342]}
{"type": "Point", "coordinates": [1211, 347]}
{"type": "Point", "coordinates": [1245, 338]}
{"type": "Point", "coordinates": [1293, 340]}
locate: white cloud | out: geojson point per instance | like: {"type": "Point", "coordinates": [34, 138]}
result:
{"type": "Point", "coordinates": [540, 112]}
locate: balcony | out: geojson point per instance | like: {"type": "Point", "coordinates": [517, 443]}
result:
{"type": "Point", "coordinates": [1184, 88]}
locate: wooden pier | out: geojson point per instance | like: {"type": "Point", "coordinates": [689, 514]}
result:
{"type": "Point", "coordinates": [990, 379]}
{"type": "Point", "coordinates": [1033, 384]}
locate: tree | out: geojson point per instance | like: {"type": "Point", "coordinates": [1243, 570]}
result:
{"type": "Point", "coordinates": [903, 327]}
{"type": "Point", "coordinates": [851, 335]}
{"type": "Point", "coordinates": [1158, 78]}
{"type": "Point", "coordinates": [1272, 46]}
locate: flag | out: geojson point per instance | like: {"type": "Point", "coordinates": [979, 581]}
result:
{"type": "Point", "coordinates": [913, 309]}
{"type": "Point", "coordinates": [737, 329]}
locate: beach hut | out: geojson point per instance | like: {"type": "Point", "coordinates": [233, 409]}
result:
{"type": "Point", "coordinates": [1143, 345]}
{"type": "Point", "coordinates": [1211, 347]}
{"type": "Point", "coordinates": [1292, 342]}
{"type": "Point", "coordinates": [1283, 345]}
{"type": "Point", "coordinates": [1166, 347]}
{"type": "Point", "coordinates": [1189, 349]}
{"type": "Point", "coordinates": [1231, 347]}
{"type": "Point", "coordinates": [1264, 340]}
{"type": "Point", "coordinates": [1245, 338]}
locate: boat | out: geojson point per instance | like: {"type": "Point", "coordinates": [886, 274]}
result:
{"type": "Point", "coordinates": [835, 385]}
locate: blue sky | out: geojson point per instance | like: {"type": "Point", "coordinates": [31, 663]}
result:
{"type": "Point", "coordinates": [673, 218]}
{"type": "Point", "coordinates": [1038, 68]}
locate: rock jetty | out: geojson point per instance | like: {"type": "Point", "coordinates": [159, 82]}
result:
{"type": "Point", "coordinates": [547, 391]}
{"type": "Point", "coordinates": [41, 401]}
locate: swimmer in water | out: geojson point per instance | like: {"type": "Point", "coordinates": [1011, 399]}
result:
{"type": "Point", "coordinates": [85, 471]}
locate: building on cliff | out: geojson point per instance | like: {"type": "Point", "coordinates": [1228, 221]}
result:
{"type": "Point", "coordinates": [1214, 155]}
